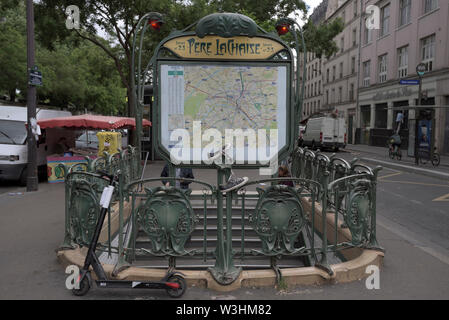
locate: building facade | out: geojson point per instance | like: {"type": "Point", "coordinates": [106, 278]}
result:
{"type": "Point", "coordinates": [340, 77]}
{"type": "Point", "coordinates": [313, 97]}
{"type": "Point", "coordinates": [410, 33]}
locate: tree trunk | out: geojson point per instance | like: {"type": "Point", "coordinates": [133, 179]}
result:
{"type": "Point", "coordinates": [12, 95]}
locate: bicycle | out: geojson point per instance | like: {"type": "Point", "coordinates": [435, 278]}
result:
{"type": "Point", "coordinates": [394, 151]}
{"type": "Point", "coordinates": [435, 159]}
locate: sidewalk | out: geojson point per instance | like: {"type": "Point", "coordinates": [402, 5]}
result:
{"type": "Point", "coordinates": [379, 156]}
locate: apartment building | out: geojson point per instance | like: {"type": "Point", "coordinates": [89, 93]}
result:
{"type": "Point", "coordinates": [340, 72]}
{"type": "Point", "coordinates": [411, 32]}
{"type": "Point", "coordinates": [313, 97]}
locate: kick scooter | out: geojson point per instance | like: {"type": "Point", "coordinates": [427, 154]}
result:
{"type": "Point", "coordinates": [173, 282]}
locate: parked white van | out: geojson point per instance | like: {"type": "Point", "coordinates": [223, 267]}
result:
{"type": "Point", "coordinates": [325, 132]}
{"type": "Point", "coordinates": [13, 141]}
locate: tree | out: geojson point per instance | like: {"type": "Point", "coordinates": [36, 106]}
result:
{"type": "Point", "coordinates": [13, 59]}
{"type": "Point", "coordinates": [118, 21]}
{"type": "Point", "coordinates": [80, 78]}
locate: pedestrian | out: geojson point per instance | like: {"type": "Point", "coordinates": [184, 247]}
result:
{"type": "Point", "coordinates": [284, 173]}
{"type": "Point", "coordinates": [181, 173]}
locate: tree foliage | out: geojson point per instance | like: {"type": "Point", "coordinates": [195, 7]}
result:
{"type": "Point", "coordinates": [75, 75]}
{"type": "Point", "coordinates": [13, 59]}
{"type": "Point", "coordinates": [85, 68]}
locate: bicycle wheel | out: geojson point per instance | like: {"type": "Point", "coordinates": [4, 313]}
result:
{"type": "Point", "coordinates": [436, 160]}
{"type": "Point", "coordinates": [423, 160]}
{"type": "Point", "coordinates": [390, 153]}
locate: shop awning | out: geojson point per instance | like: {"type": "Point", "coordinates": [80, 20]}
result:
{"type": "Point", "coordinates": [91, 122]}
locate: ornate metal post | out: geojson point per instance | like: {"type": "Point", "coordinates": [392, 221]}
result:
{"type": "Point", "coordinates": [323, 264]}
{"type": "Point", "coordinates": [154, 19]}
{"type": "Point", "coordinates": [373, 244]}
{"type": "Point", "coordinates": [224, 270]}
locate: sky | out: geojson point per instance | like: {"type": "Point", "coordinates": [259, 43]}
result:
{"type": "Point", "coordinates": [312, 4]}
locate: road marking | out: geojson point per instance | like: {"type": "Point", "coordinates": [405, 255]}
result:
{"type": "Point", "coordinates": [442, 198]}
{"type": "Point", "coordinates": [418, 183]}
{"type": "Point", "coordinates": [391, 175]}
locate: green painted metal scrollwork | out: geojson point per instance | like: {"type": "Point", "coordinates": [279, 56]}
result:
{"type": "Point", "coordinates": [168, 219]}
{"type": "Point", "coordinates": [83, 208]}
{"type": "Point", "coordinates": [226, 25]}
{"type": "Point", "coordinates": [357, 216]}
{"type": "Point", "coordinates": [278, 220]}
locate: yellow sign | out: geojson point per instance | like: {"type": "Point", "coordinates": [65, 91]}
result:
{"type": "Point", "coordinates": [213, 47]}
{"type": "Point", "coordinates": [110, 142]}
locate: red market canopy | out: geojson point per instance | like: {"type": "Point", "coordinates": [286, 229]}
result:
{"type": "Point", "coordinates": [91, 122]}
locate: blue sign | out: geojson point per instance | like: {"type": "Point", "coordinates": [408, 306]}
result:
{"type": "Point", "coordinates": [409, 82]}
{"type": "Point", "coordinates": [35, 77]}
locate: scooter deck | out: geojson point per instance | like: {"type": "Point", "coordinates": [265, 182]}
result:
{"type": "Point", "coordinates": [120, 284]}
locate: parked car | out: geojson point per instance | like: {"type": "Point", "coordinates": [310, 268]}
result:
{"type": "Point", "coordinates": [325, 132]}
{"type": "Point", "coordinates": [88, 139]}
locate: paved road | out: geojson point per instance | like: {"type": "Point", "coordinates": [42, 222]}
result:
{"type": "Point", "coordinates": [413, 225]}
{"type": "Point", "coordinates": [10, 186]}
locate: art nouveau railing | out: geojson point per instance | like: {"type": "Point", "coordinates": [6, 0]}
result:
{"type": "Point", "coordinates": [325, 188]}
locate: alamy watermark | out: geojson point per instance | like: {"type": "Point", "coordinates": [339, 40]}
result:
{"type": "Point", "coordinates": [372, 21]}
{"type": "Point", "coordinates": [373, 280]}
{"type": "Point", "coordinates": [250, 147]}
{"type": "Point", "coordinates": [73, 17]}
{"type": "Point", "coordinates": [73, 279]}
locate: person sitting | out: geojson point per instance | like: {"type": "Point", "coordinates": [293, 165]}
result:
{"type": "Point", "coordinates": [181, 173]}
{"type": "Point", "coordinates": [284, 173]}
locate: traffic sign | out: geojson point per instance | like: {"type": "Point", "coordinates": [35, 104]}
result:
{"type": "Point", "coordinates": [421, 69]}
{"type": "Point", "coordinates": [410, 82]}
{"type": "Point", "coordinates": [35, 77]}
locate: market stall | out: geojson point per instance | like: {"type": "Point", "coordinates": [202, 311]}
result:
{"type": "Point", "coordinates": [109, 139]}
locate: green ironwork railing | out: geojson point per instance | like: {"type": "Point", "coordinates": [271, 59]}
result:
{"type": "Point", "coordinates": [324, 188]}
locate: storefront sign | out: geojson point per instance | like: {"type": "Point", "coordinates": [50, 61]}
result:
{"type": "Point", "coordinates": [382, 96]}
{"type": "Point", "coordinates": [213, 47]}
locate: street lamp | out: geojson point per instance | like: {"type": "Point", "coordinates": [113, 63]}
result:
{"type": "Point", "coordinates": [284, 26]}
{"type": "Point", "coordinates": [155, 21]}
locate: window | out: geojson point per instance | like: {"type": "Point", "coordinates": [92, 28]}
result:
{"type": "Point", "coordinates": [430, 5]}
{"type": "Point", "coordinates": [351, 92]}
{"type": "Point", "coordinates": [404, 11]}
{"type": "Point", "coordinates": [368, 35]}
{"type": "Point", "coordinates": [319, 87]}
{"type": "Point", "coordinates": [341, 70]}
{"type": "Point", "coordinates": [342, 45]}
{"type": "Point", "coordinates": [333, 96]}
{"type": "Point", "coordinates": [340, 94]}
{"type": "Point", "coordinates": [353, 65]}
{"type": "Point", "coordinates": [327, 75]}
{"type": "Point", "coordinates": [366, 73]}
{"type": "Point", "coordinates": [428, 51]}
{"type": "Point", "coordinates": [334, 71]}
{"type": "Point", "coordinates": [402, 62]}
{"type": "Point", "coordinates": [385, 20]}
{"type": "Point", "coordinates": [355, 8]}
{"type": "Point", "coordinates": [354, 37]}
{"type": "Point", "coordinates": [327, 96]}
{"type": "Point", "coordinates": [383, 68]}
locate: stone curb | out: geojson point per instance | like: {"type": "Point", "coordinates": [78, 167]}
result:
{"type": "Point", "coordinates": [398, 166]}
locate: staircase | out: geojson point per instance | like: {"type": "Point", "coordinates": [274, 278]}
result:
{"type": "Point", "coordinates": [195, 243]}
